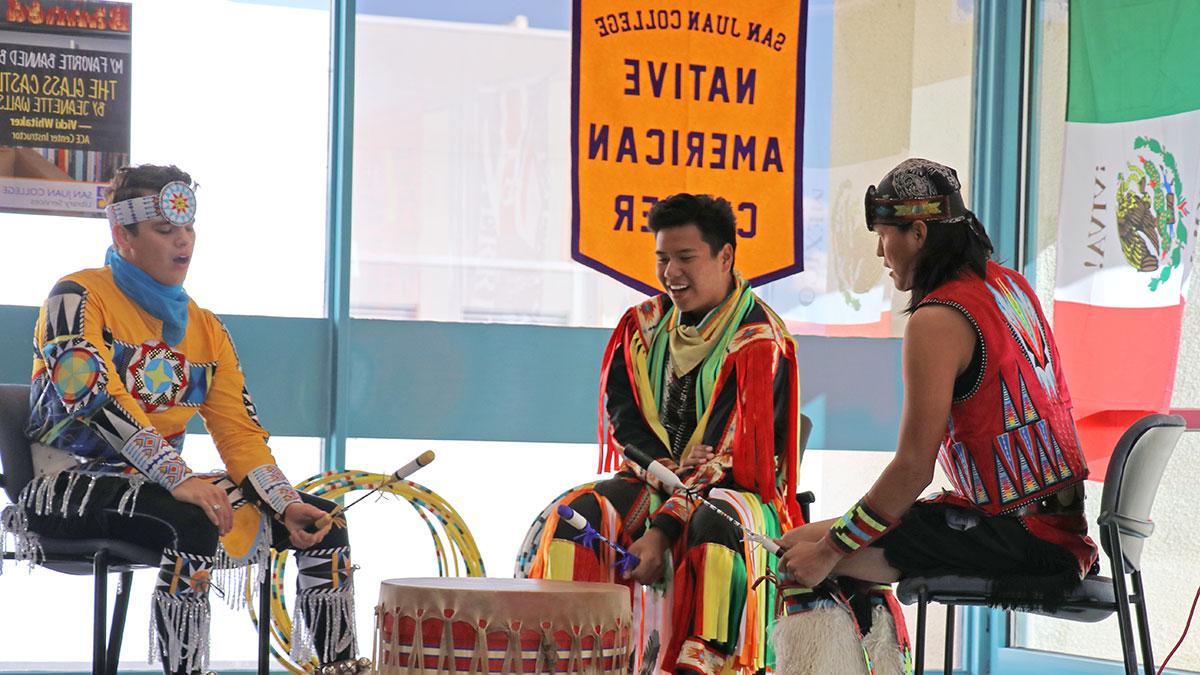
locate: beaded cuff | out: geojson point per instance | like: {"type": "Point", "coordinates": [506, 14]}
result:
{"type": "Point", "coordinates": [153, 456]}
{"type": "Point", "coordinates": [860, 526]}
{"type": "Point", "coordinates": [273, 487]}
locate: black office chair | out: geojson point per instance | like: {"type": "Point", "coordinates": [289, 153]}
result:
{"type": "Point", "coordinates": [805, 498]}
{"type": "Point", "coordinates": [96, 557]}
{"type": "Point", "coordinates": [1132, 481]}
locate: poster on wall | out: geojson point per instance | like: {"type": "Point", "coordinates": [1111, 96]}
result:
{"type": "Point", "coordinates": [701, 96]}
{"type": "Point", "coordinates": [64, 104]}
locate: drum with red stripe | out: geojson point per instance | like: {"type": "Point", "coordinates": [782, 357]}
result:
{"type": "Point", "coordinates": [481, 625]}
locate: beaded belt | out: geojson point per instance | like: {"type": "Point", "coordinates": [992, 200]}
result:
{"type": "Point", "coordinates": [1068, 500]}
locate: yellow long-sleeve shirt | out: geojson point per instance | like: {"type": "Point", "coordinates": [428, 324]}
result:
{"type": "Point", "coordinates": [109, 390]}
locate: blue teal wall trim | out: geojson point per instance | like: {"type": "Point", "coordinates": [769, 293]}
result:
{"type": "Point", "coordinates": [998, 133]}
{"type": "Point", "coordinates": [338, 226]}
{"type": "Point", "coordinates": [431, 379]}
{"type": "Point", "coordinates": [16, 342]}
{"type": "Point", "coordinates": [997, 175]}
{"type": "Point", "coordinates": [443, 381]}
{"type": "Point", "coordinates": [416, 379]}
{"type": "Point", "coordinates": [288, 379]}
{"type": "Point", "coordinates": [1011, 661]}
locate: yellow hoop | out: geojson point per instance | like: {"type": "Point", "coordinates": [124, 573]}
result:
{"type": "Point", "coordinates": [453, 536]}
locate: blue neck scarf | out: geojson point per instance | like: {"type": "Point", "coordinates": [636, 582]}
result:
{"type": "Point", "coordinates": [168, 304]}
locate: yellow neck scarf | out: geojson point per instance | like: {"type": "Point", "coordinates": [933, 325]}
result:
{"type": "Point", "coordinates": [689, 345]}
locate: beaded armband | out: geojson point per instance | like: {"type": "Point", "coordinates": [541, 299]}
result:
{"type": "Point", "coordinates": [860, 526]}
{"type": "Point", "coordinates": [272, 487]}
{"type": "Point", "coordinates": [153, 456]}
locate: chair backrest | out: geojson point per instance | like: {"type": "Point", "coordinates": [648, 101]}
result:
{"type": "Point", "coordinates": [806, 425]}
{"type": "Point", "coordinates": [16, 462]}
{"type": "Point", "coordinates": [1134, 474]}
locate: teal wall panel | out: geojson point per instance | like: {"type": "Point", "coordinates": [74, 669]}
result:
{"type": "Point", "coordinates": [16, 342]}
{"type": "Point", "coordinates": [851, 389]}
{"type": "Point", "coordinates": [415, 379]}
{"type": "Point", "coordinates": [1010, 661]}
{"type": "Point", "coordinates": [474, 381]}
{"type": "Point", "coordinates": [286, 362]}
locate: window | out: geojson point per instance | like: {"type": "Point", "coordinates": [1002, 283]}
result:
{"type": "Point", "coordinates": [462, 165]}
{"type": "Point", "coordinates": [235, 93]}
{"type": "Point", "coordinates": [461, 177]}
{"type": "Point", "coordinates": [876, 95]}
{"type": "Point", "coordinates": [256, 143]}
{"type": "Point", "coordinates": [1169, 559]}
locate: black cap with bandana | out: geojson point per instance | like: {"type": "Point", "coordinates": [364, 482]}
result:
{"type": "Point", "coordinates": [917, 189]}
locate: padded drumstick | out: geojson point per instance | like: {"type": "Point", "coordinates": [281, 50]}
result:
{"type": "Point", "coordinates": [626, 561]}
{"type": "Point", "coordinates": [672, 483]}
{"type": "Point", "coordinates": [655, 468]}
{"type": "Point", "coordinates": [573, 518]}
{"type": "Point", "coordinates": [397, 475]}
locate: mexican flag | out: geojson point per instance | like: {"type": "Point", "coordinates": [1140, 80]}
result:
{"type": "Point", "coordinates": [1128, 217]}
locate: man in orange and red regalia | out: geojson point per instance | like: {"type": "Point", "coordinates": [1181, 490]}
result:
{"type": "Point", "coordinates": [703, 379]}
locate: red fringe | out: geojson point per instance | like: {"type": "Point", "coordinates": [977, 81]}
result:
{"type": "Point", "coordinates": [587, 566]}
{"type": "Point", "coordinates": [754, 438]}
{"type": "Point", "coordinates": [897, 613]}
{"type": "Point", "coordinates": [683, 604]}
{"type": "Point", "coordinates": [609, 450]}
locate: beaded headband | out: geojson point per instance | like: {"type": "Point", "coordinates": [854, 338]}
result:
{"type": "Point", "coordinates": [883, 211]}
{"type": "Point", "coordinates": [175, 203]}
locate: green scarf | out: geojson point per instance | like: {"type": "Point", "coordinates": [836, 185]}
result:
{"type": "Point", "coordinates": [704, 344]}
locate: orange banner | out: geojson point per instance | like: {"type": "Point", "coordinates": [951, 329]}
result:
{"type": "Point", "coordinates": [702, 96]}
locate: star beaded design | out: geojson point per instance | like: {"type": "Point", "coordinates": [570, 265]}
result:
{"type": "Point", "coordinates": [158, 375]}
{"type": "Point", "coordinates": [179, 203]}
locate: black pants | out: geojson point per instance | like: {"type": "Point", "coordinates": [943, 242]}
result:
{"type": "Point", "coordinates": [189, 542]}
{"type": "Point", "coordinates": [625, 491]}
{"type": "Point", "coordinates": [628, 495]}
{"type": "Point", "coordinates": [159, 521]}
{"type": "Point", "coordinates": [934, 539]}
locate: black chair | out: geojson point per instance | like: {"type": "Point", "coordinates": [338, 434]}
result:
{"type": "Point", "coordinates": [805, 498]}
{"type": "Point", "coordinates": [1132, 481]}
{"type": "Point", "coordinates": [97, 557]}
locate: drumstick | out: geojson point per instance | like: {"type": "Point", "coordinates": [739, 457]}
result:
{"type": "Point", "coordinates": [672, 483]}
{"type": "Point", "coordinates": [626, 560]}
{"type": "Point", "coordinates": [397, 475]}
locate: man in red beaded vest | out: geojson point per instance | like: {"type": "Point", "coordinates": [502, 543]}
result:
{"type": "Point", "coordinates": [984, 395]}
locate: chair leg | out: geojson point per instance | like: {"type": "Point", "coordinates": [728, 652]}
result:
{"type": "Point", "coordinates": [100, 612]}
{"type": "Point", "coordinates": [1123, 616]}
{"type": "Point", "coordinates": [1143, 624]}
{"type": "Point", "coordinates": [117, 631]}
{"type": "Point", "coordinates": [948, 658]}
{"type": "Point", "coordinates": [264, 619]}
{"type": "Point", "coordinates": [922, 606]}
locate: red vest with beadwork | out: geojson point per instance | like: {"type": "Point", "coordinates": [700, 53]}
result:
{"type": "Point", "coordinates": [1011, 439]}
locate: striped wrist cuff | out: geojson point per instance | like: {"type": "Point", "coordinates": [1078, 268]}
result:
{"type": "Point", "coordinates": [860, 526]}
